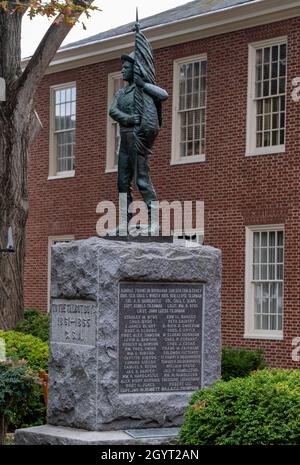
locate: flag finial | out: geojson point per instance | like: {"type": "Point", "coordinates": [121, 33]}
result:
{"type": "Point", "coordinates": [137, 24]}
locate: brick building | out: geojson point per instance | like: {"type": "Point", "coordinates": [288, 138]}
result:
{"type": "Point", "coordinates": [230, 137]}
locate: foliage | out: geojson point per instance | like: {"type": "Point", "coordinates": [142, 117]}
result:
{"type": "Point", "coordinates": [17, 384]}
{"type": "Point", "coordinates": [34, 323]}
{"type": "Point", "coordinates": [68, 10]}
{"type": "Point", "coordinates": [25, 346]}
{"type": "Point", "coordinates": [33, 412]}
{"type": "Point", "coordinates": [261, 409]}
{"type": "Point", "coordinates": [240, 362]}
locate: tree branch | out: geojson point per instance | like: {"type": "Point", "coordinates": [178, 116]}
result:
{"type": "Point", "coordinates": [39, 62]}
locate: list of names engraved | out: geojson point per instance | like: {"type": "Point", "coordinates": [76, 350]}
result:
{"type": "Point", "coordinates": [73, 322]}
{"type": "Point", "coordinates": [160, 336]}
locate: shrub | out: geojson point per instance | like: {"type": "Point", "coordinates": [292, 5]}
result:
{"type": "Point", "coordinates": [241, 362]}
{"type": "Point", "coordinates": [35, 323]}
{"type": "Point", "coordinates": [25, 346]}
{"type": "Point", "coordinates": [35, 352]}
{"type": "Point", "coordinates": [33, 411]}
{"type": "Point", "coordinates": [17, 387]}
{"type": "Point", "coordinates": [261, 409]}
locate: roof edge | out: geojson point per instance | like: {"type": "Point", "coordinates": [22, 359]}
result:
{"type": "Point", "coordinates": [209, 24]}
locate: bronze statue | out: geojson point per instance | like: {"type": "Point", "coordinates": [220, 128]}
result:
{"type": "Point", "coordinates": [137, 109]}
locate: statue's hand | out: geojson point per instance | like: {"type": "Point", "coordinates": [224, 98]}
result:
{"type": "Point", "coordinates": [134, 119]}
{"type": "Point", "coordinates": [139, 82]}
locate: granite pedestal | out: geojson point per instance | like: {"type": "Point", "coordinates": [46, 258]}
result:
{"type": "Point", "coordinates": [135, 329]}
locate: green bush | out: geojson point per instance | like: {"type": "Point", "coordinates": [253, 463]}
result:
{"type": "Point", "coordinates": [261, 409]}
{"type": "Point", "coordinates": [35, 352]}
{"type": "Point", "coordinates": [25, 346]}
{"type": "Point", "coordinates": [17, 388]}
{"type": "Point", "coordinates": [237, 363]}
{"type": "Point", "coordinates": [35, 323]}
{"type": "Point", "coordinates": [33, 412]}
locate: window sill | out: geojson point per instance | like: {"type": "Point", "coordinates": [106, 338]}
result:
{"type": "Point", "coordinates": [264, 335]}
{"type": "Point", "coordinates": [111, 170]}
{"type": "Point", "coordinates": [187, 160]}
{"type": "Point", "coordinates": [67, 174]}
{"type": "Point", "coordinates": [266, 151]}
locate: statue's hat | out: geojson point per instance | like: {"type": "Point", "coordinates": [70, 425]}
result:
{"type": "Point", "coordinates": [130, 57]}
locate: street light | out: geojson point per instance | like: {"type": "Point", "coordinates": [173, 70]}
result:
{"type": "Point", "coordinates": [10, 242]}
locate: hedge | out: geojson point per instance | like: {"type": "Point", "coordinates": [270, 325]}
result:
{"type": "Point", "coordinates": [261, 409]}
{"type": "Point", "coordinates": [26, 346]}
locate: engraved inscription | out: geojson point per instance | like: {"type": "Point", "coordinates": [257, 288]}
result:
{"type": "Point", "coordinates": [73, 322]}
{"type": "Point", "coordinates": [160, 336]}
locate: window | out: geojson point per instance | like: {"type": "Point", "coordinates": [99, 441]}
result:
{"type": "Point", "coordinates": [115, 82]}
{"type": "Point", "coordinates": [54, 240]}
{"type": "Point", "coordinates": [264, 282]}
{"type": "Point", "coordinates": [62, 130]}
{"type": "Point", "coordinates": [267, 97]}
{"type": "Point", "coordinates": [189, 110]}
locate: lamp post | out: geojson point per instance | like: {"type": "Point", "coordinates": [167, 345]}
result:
{"type": "Point", "coordinates": [10, 244]}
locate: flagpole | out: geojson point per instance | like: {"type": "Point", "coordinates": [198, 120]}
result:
{"type": "Point", "coordinates": [138, 95]}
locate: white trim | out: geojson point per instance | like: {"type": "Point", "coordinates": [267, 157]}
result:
{"type": "Point", "coordinates": [266, 150]}
{"type": "Point", "coordinates": [51, 240]}
{"type": "Point", "coordinates": [186, 160]}
{"type": "Point", "coordinates": [250, 333]}
{"type": "Point", "coordinates": [53, 174]}
{"type": "Point", "coordinates": [109, 164]}
{"type": "Point", "coordinates": [213, 23]}
{"type": "Point", "coordinates": [175, 157]}
{"type": "Point", "coordinates": [62, 175]}
{"type": "Point", "coordinates": [251, 149]}
{"type": "Point", "coordinates": [265, 335]}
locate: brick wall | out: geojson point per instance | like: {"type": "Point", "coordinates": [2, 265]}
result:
{"type": "Point", "coordinates": [237, 190]}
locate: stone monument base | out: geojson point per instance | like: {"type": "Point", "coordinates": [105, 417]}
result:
{"type": "Point", "coordinates": [59, 435]}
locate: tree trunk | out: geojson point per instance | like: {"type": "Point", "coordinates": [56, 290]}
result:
{"type": "Point", "coordinates": [3, 430]}
{"type": "Point", "coordinates": [18, 127]}
{"type": "Point", "coordinates": [14, 144]}
{"type": "Point", "coordinates": [14, 210]}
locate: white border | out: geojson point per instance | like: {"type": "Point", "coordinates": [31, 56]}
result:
{"type": "Point", "coordinates": [251, 149]}
{"type": "Point", "coordinates": [175, 157]}
{"type": "Point", "coordinates": [53, 174]}
{"type": "Point", "coordinates": [250, 333]}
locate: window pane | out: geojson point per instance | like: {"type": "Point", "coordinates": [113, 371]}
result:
{"type": "Point", "coordinates": [256, 239]}
{"type": "Point", "coordinates": [259, 57]}
{"type": "Point", "coordinates": [279, 271]}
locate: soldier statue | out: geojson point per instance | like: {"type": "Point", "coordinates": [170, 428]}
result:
{"type": "Point", "coordinates": [137, 109]}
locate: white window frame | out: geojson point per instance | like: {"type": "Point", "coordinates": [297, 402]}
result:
{"type": "Point", "coordinates": [175, 154]}
{"type": "Point", "coordinates": [250, 332]}
{"type": "Point", "coordinates": [51, 240]}
{"type": "Point", "coordinates": [53, 174]}
{"type": "Point", "coordinates": [251, 148]}
{"type": "Point", "coordinates": [110, 166]}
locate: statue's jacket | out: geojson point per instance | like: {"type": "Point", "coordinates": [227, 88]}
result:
{"type": "Point", "coordinates": [123, 107]}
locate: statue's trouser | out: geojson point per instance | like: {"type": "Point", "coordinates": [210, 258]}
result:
{"type": "Point", "coordinates": [126, 166]}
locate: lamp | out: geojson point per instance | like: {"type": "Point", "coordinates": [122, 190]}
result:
{"type": "Point", "coordinates": [10, 242]}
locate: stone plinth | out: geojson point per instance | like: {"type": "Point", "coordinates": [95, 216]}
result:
{"type": "Point", "coordinates": [88, 388]}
